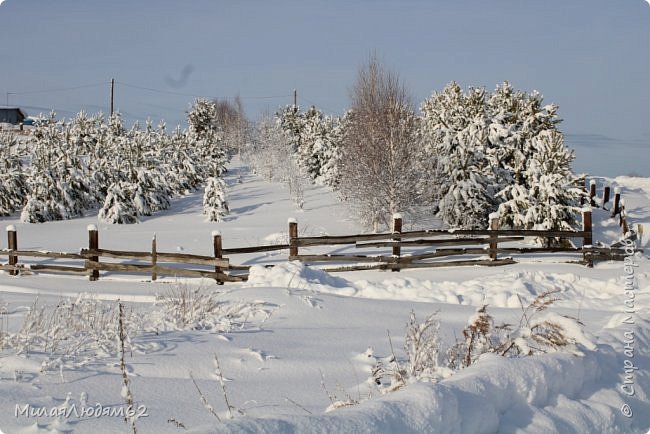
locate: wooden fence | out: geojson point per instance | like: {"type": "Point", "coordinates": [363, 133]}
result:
{"type": "Point", "coordinates": [424, 249]}
{"type": "Point", "coordinates": [414, 249]}
{"type": "Point", "coordinates": [155, 262]}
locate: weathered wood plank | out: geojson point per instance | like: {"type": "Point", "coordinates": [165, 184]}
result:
{"type": "Point", "coordinates": [349, 239]}
{"type": "Point", "coordinates": [170, 271]}
{"type": "Point", "coordinates": [386, 266]}
{"type": "Point", "coordinates": [41, 254]}
{"type": "Point", "coordinates": [183, 258]}
{"type": "Point", "coordinates": [254, 249]}
{"type": "Point", "coordinates": [359, 258]}
{"type": "Point", "coordinates": [438, 242]}
{"type": "Point", "coordinates": [57, 268]}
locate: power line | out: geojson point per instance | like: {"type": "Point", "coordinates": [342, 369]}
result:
{"type": "Point", "coordinates": [60, 89]}
{"type": "Point", "coordinates": [169, 92]}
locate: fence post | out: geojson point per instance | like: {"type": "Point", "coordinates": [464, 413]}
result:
{"type": "Point", "coordinates": [592, 192]}
{"type": "Point", "coordinates": [617, 201]}
{"type": "Point", "coordinates": [605, 196]}
{"type": "Point", "coordinates": [639, 230]}
{"type": "Point", "coordinates": [154, 259]}
{"type": "Point", "coordinates": [494, 225]}
{"type": "Point", "coordinates": [623, 221]}
{"type": "Point", "coordinates": [93, 244]}
{"type": "Point", "coordinates": [293, 238]}
{"type": "Point", "coordinates": [218, 247]}
{"type": "Point", "coordinates": [587, 240]}
{"type": "Point", "coordinates": [12, 242]}
{"type": "Point", "coordinates": [397, 229]}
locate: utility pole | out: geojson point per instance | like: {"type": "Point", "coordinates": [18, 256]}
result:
{"type": "Point", "coordinates": [112, 95]}
{"type": "Point", "coordinates": [295, 100]}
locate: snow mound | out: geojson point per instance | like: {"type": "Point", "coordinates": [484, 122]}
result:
{"type": "Point", "coordinates": [551, 393]}
{"type": "Point", "coordinates": [507, 290]}
{"type": "Point", "coordinates": [298, 276]}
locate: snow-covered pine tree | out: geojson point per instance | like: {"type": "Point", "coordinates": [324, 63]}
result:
{"type": "Point", "coordinates": [57, 177]}
{"type": "Point", "coordinates": [537, 187]}
{"type": "Point", "coordinates": [516, 117]}
{"type": "Point", "coordinates": [209, 143]}
{"type": "Point", "coordinates": [118, 206]}
{"type": "Point", "coordinates": [329, 151]}
{"type": "Point", "coordinates": [13, 182]}
{"type": "Point", "coordinates": [455, 130]}
{"type": "Point", "coordinates": [214, 199]}
{"type": "Point", "coordinates": [291, 121]}
{"type": "Point", "coordinates": [44, 201]}
{"type": "Point", "coordinates": [550, 194]}
{"type": "Point", "coordinates": [314, 140]}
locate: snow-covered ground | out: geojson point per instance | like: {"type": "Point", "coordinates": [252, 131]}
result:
{"type": "Point", "coordinates": [297, 339]}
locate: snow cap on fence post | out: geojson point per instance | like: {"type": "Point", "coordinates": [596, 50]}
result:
{"type": "Point", "coordinates": [397, 216]}
{"type": "Point", "coordinates": [12, 244]}
{"type": "Point", "coordinates": [91, 227]}
{"type": "Point", "coordinates": [617, 190]}
{"type": "Point", "coordinates": [292, 220]}
{"type": "Point", "coordinates": [216, 233]}
{"type": "Point", "coordinates": [592, 182]}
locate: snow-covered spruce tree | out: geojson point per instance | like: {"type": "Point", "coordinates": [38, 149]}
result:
{"type": "Point", "coordinates": [214, 200]}
{"type": "Point", "coordinates": [455, 128]}
{"type": "Point", "coordinates": [549, 196]}
{"type": "Point", "coordinates": [380, 155]}
{"type": "Point", "coordinates": [13, 182]}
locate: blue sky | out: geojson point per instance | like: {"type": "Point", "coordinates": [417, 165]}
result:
{"type": "Point", "coordinates": [589, 57]}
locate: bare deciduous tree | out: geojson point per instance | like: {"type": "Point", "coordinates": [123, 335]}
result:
{"type": "Point", "coordinates": [380, 149]}
{"type": "Point", "coordinates": [231, 121]}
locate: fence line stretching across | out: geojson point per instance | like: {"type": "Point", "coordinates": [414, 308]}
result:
{"type": "Point", "coordinates": [481, 248]}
